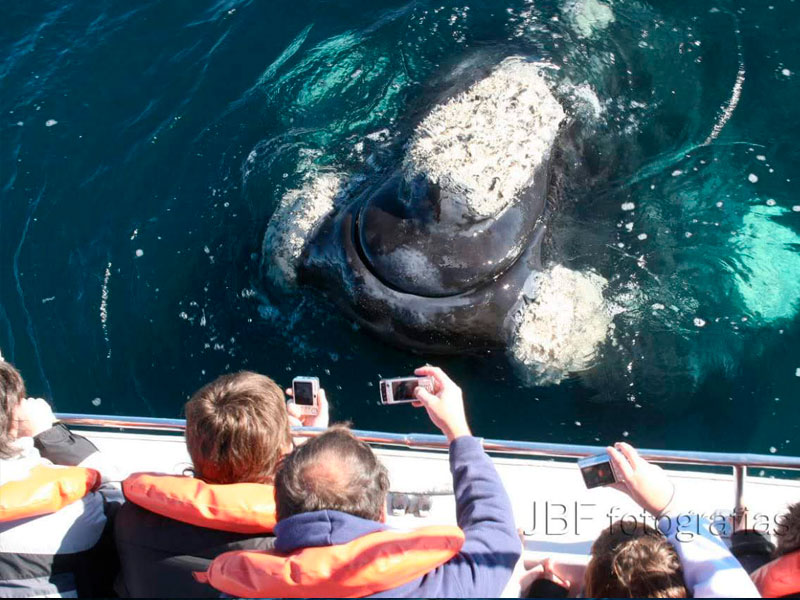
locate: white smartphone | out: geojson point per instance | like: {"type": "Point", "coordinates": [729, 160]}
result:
{"type": "Point", "coordinates": [305, 392]}
{"type": "Point", "coordinates": [401, 389]}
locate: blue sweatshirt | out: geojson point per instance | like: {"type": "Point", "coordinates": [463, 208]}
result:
{"type": "Point", "coordinates": [483, 511]}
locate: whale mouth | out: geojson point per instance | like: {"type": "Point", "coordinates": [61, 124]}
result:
{"type": "Point", "coordinates": [414, 246]}
{"type": "Point", "coordinates": [472, 186]}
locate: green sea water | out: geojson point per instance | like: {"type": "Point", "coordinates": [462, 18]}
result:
{"type": "Point", "coordinates": [144, 147]}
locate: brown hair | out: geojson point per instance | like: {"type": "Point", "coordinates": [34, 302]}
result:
{"type": "Point", "coordinates": [237, 429]}
{"type": "Point", "coordinates": [12, 392]}
{"type": "Point", "coordinates": [334, 471]}
{"type": "Point", "coordinates": [633, 560]}
{"type": "Point", "coordinates": [787, 536]}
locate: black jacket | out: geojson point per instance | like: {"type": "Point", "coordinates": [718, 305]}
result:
{"type": "Point", "coordinates": [158, 554]}
{"type": "Point", "coordinates": [63, 553]}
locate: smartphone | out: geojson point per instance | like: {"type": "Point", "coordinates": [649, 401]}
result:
{"type": "Point", "coordinates": [401, 389]}
{"type": "Point", "coordinates": [305, 391]}
{"type": "Point", "coordinates": [597, 471]}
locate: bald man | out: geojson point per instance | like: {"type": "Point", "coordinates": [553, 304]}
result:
{"type": "Point", "coordinates": [331, 492]}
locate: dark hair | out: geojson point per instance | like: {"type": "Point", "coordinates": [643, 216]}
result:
{"type": "Point", "coordinates": [787, 536]}
{"type": "Point", "coordinates": [237, 429]}
{"type": "Point", "coordinates": [633, 560]}
{"type": "Point", "coordinates": [12, 392]}
{"type": "Point", "coordinates": [334, 471]}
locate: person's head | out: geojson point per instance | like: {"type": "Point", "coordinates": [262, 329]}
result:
{"type": "Point", "coordinates": [237, 429]}
{"type": "Point", "coordinates": [333, 471]}
{"type": "Point", "coordinates": [787, 536]}
{"type": "Point", "coordinates": [633, 561]}
{"type": "Point", "coordinates": [12, 392]}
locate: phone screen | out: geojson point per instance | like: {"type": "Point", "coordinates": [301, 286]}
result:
{"type": "Point", "coordinates": [598, 474]}
{"type": "Point", "coordinates": [404, 390]}
{"type": "Point", "coordinates": [304, 393]}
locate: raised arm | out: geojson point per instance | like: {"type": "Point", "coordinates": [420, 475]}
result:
{"type": "Point", "coordinates": [483, 509]}
{"type": "Point", "coordinates": [709, 568]}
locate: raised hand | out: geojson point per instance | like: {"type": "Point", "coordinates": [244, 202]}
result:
{"type": "Point", "coordinates": [445, 405]}
{"type": "Point", "coordinates": [33, 416]}
{"type": "Point", "coordinates": [296, 419]}
{"type": "Point", "coordinates": [647, 484]}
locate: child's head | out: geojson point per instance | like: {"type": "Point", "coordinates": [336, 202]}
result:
{"type": "Point", "coordinates": [633, 561]}
{"type": "Point", "coordinates": [237, 429]}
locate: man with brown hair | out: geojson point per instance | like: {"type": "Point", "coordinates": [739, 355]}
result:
{"type": "Point", "coordinates": [331, 539]}
{"type": "Point", "coordinates": [237, 430]}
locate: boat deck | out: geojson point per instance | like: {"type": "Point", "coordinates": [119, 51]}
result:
{"type": "Point", "coordinates": [559, 517]}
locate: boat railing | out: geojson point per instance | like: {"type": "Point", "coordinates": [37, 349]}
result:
{"type": "Point", "coordinates": [739, 462]}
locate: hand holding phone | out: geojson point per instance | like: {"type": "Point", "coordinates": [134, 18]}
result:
{"type": "Point", "coordinates": [401, 390]}
{"type": "Point", "coordinates": [305, 395]}
{"type": "Point", "coordinates": [445, 404]}
{"type": "Point", "coordinates": [597, 471]}
{"type": "Point", "coordinates": [647, 484]}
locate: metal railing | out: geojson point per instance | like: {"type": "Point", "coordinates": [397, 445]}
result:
{"type": "Point", "coordinates": [739, 462]}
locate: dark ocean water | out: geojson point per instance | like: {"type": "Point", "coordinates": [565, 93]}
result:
{"type": "Point", "coordinates": [144, 146]}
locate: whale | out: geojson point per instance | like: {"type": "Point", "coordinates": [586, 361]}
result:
{"type": "Point", "coordinates": [442, 252]}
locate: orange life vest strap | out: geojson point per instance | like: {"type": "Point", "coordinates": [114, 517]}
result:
{"type": "Point", "coordinates": [778, 578]}
{"type": "Point", "coordinates": [372, 563]}
{"type": "Point", "coordinates": [234, 507]}
{"type": "Point", "coordinates": [45, 490]}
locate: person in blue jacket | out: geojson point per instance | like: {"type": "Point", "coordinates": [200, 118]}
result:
{"type": "Point", "coordinates": [330, 499]}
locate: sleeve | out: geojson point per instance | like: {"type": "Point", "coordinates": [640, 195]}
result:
{"type": "Point", "coordinates": [709, 568]}
{"type": "Point", "coordinates": [61, 446]}
{"type": "Point", "coordinates": [483, 511]}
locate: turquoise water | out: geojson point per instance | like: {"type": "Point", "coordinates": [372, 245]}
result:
{"type": "Point", "coordinates": [145, 146]}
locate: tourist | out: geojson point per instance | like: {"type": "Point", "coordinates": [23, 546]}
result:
{"type": "Point", "coordinates": [780, 578]}
{"type": "Point", "coordinates": [753, 549]}
{"type": "Point", "coordinates": [237, 430]}
{"type": "Point", "coordinates": [683, 558]}
{"type": "Point", "coordinates": [54, 534]}
{"type": "Point", "coordinates": [331, 506]}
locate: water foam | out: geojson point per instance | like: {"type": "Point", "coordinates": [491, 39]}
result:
{"type": "Point", "coordinates": [482, 145]}
{"type": "Point", "coordinates": [299, 213]}
{"type": "Point", "coordinates": [562, 324]}
{"type": "Point", "coordinates": [104, 308]}
{"type": "Point", "coordinates": [587, 17]}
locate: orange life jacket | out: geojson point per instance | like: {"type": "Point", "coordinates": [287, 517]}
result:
{"type": "Point", "coordinates": [781, 577]}
{"type": "Point", "coordinates": [235, 507]}
{"type": "Point", "coordinates": [45, 490]}
{"type": "Point", "coordinates": [372, 563]}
